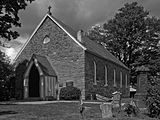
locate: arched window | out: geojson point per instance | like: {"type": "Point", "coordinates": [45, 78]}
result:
{"type": "Point", "coordinates": [114, 77]}
{"type": "Point", "coordinates": [121, 79]}
{"type": "Point", "coordinates": [106, 76]}
{"type": "Point", "coordinates": [95, 73]}
{"type": "Point", "coordinates": [46, 39]}
{"type": "Point", "coordinates": [126, 80]}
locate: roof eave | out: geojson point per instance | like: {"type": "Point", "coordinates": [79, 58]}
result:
{"type": "Point", "coordinates": [108, 59]}
{"type": "Point", "coordinates": [47, 15]}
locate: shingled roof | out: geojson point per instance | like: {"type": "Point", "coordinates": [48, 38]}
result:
{"type": "Point", "coordinates": [87, 44]}
{"type": "Point", "coordinates": [45, 65]}
{"type": "Point", "coordinates": [92, 46]}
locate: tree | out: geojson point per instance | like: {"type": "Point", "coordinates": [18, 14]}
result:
{"type": "Point", "coordinates": [132, 36]}
{"type": "Point", "coordinates": [6, 72]}
{"type": "Point", "coordinates": [97, 33]}
{"type": "Point", "coordinates": [9, 17]}
{"type": "Point", "coordinates": [5, 66]}
{"type": "Point", "coordinates": [153, 97]}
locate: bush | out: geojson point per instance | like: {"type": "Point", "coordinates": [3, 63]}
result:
{"type": "Point", "coordinates": [131, 110]}
{"type": "Point", "coordinates": [153, 97]}
{"type": "Point", "coordinates": [4, 91]}
{"type": "Point", "coordinates": [70, 93]}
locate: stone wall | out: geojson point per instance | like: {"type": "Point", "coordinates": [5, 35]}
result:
{"type": "Point", "coordinates": [66, 57]}
{"type": "Point", "coordinates": [100, 88]}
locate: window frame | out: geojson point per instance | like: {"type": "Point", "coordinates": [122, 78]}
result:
{"type": "Point", "coordinates": [95, 73]}
{"type": "Point", "coordinates": [126, 80]}
{"type": "Point", "coordinates": [121, 79]}
{"type": "Point", "coordinates": [106, 75]}
{"type": "Point", "coordinates": [114, 77]}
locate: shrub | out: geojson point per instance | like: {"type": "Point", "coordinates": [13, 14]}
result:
{"type": "Point", "coordinates": [131, 110]}
{"type": "Point", "coordinates": [70, 93]}
{"type": "Point", "coordinates": [4, 94]}
{"type": "Point", "coordinates": [6, 72]}
{"type": "Point", "coordinates": [153, 97]}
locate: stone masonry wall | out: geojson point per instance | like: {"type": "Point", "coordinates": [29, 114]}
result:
{"type": "Point", "coordinates": [66, 57]}
{"type": "Point", "coordinates": [100, 88]}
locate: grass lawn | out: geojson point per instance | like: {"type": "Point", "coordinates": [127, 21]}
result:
{"type": "Point", "coordinates": [56, 111]}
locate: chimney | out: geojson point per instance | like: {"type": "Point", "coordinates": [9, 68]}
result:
{"type": "Point", "coordinates": [80, 35]}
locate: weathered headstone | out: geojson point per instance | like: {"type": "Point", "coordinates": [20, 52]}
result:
{"type": "Point", "coordinates": [116, 99]}
{"type": "Point", "coordinates": [116, 102]}
{"type": "Point", "coordinates": [142, 79]}
{"type": "Point", "coordinates": [106, 109]}
{"type": "Point", "coordinates": [102, 98]}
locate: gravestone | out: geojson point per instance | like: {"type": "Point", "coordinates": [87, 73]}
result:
{"type": "Point", "coordinates": [116, 99]}
{"type": "Point", "coordinates": [106, 109]}
{"type": "Point", "coordinates": [116, 102]}
{"type": "Point", "coordinates": [142, 78]}
{"type": "Point", "coordinates": [102, 98]}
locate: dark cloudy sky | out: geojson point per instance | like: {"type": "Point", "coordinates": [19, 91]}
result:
{"type": "Point", "coordinates": [79, 14]}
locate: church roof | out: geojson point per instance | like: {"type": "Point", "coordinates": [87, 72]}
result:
{"type": "Point", "coordinates": [99, 50]}
{"type": "Point", "coordinates": [87, 44]}
{"type": "Point", "coordinates": [45, 65]}
{"type": "Point", "coordinates": [92, 46]}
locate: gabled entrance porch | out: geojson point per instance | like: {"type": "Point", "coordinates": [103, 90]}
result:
{"type": "Point", "coordinates": [40, 79]}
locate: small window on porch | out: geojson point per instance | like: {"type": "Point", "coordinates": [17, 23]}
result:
{"type": "Point", "coordinates": [106, 76]}
{"type": "Point", "coordinates": [95, 73]}
{"type": "Point", "coordinates": [121, 79]}
{"type": "Point", "coordinates": [49, 83]}
{"type": "Point", "coordinates": [126, 77]}
{"type": "Point", "coordinates": [114, 77]}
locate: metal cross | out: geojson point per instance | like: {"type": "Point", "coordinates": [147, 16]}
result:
{"type": "Point", "coordinates": [49, 10]}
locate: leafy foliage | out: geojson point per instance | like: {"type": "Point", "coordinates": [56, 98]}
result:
{"type": "Point", "coordinates": [153, 97]}
{"type": "Point", "coordinates": [6, 72]}
{"type": "Point", "coordinates": [70, 93]}
{"type": "Point", "coordinates": [132, 36]}
{"type": "Point", "coordinates": [131, 110]}
{"type": "Point", "coordinates": [9, 17]}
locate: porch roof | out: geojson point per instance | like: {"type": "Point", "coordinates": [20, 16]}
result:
{"type": "Point", "coordinates": [45, 65]}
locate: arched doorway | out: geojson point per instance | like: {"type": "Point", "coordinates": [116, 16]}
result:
{"type": "Point", "coordinates": [34, 79]}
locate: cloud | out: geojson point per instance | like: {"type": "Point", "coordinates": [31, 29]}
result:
{"type": "Point", "coordinates": [153, 7]}
{"type": "Point", "coordinates": [16, 45]}
{"type": "Point", "coordinates": [79, 14]}
{"type": "Point", "coordinates": [11, 52]}
{"type": "Point", "coordinates": [22, 39]}
{"type": "Point", "coordinates": [83, 10]}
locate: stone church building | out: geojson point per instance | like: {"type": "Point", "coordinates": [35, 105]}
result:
{"type": "Point", "coordinates": [59, 56]}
